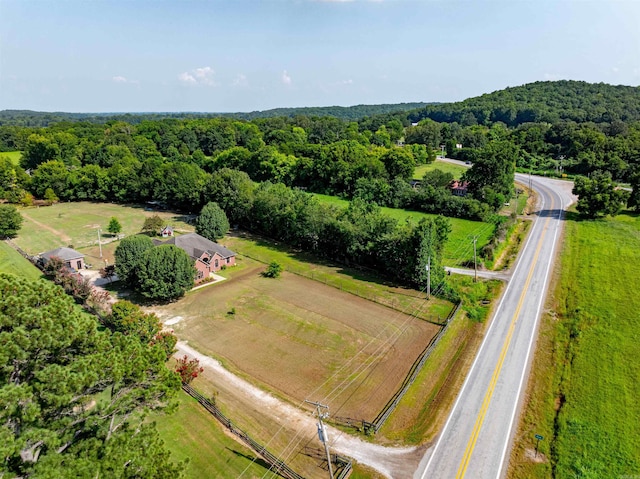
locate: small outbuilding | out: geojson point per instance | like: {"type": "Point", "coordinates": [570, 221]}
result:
{"type": "Point", "coordinates": [167, 231]}
{"type": "Point", "coordinates": [72, 258]}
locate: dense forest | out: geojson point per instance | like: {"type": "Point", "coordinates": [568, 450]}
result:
{"type": "Point", "coordinates": [547, 102]}
{"type": "Point", "coordinates": [178, 162]}
{"type": "Point", "coordinates": [39, 118]}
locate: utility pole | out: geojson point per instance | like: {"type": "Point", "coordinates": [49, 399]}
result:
{"type": "Point", "coordinates": [429, 277]}
{"type": "Point", "coordinates": [475, 262]}
{"type": "Point", "coordinates": [99, 243]}
{"type": "Point", "coordinates": [322, 432]}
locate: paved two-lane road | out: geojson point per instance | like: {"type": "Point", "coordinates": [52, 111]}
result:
{"type": "Point", "coordinates": [475, 440]}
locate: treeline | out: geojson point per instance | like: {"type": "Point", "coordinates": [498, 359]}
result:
{"type": "Point", "coordinates": [352, 113]}
{"type": "Point", "coordinates": [357, 235]}
{"type": "Point", "coordinates": [171, 161]}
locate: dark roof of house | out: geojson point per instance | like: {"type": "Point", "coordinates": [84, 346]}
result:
{"type": "Point", "coordinates": [66, 254]}
{"type": "Point", "coordinates": [195, 245]}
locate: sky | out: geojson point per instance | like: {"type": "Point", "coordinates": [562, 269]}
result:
{"type": "Point", "coordinates": [246, 55]}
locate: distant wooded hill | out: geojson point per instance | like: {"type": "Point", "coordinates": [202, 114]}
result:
{"type": "Point", "coordinates": [351, 113]}
{"type": "Point", "coordinates": [548, 102]}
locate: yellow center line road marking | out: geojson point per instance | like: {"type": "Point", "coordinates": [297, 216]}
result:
{"type": "Point", "coordinates": [464, 464]}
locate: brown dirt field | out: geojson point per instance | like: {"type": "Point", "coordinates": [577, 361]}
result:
{"type": "Point", "coordinates": [303, 339]}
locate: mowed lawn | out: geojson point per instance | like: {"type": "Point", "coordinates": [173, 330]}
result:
{"type": "Point", "coordinates": [458, 250]}
{"type": "Point", "coordinates": [593, 350]}
{"type": "Point", "coordinates": [301, 338]}
{"type": "Point", "coordinates": [12, 262]}
{"type": "Point", "coordinates": [77, 224]}
{"type": "Point", "coordinates": [193, 433]}
{"type": "Point", "coordinates": [455, 170]}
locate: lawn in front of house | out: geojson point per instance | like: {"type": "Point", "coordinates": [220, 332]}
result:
{"type": "Point", "coordinates": [77, 224]}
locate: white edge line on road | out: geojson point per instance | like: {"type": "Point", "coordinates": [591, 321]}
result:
{"type": "Point", "coordinates": [484, 341]}
{"type": "Point", "coordinates": [535, 328]}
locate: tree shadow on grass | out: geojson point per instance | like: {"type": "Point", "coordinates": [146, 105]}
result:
{"type": "Point", "coordinates": [358, 273]}
{"type": "Point", "coordinates": [255, 459]}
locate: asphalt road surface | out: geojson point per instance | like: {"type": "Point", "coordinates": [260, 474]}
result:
{"type": "Point", "coordinates": [475, 441]}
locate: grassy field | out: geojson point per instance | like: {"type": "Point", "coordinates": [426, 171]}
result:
{"type": "Point", "coordinates": [584, 387]}
{"type": "Point", "coordinates": [12, 262]}
{"type": "Point", "coordinates": [192, 432]}
{"type": "Point", "coordinates": [455, 170]}
{"type": "Point", "coordinates": [77, 224]}
{"type": "Point", "coordinates": [301, 338]}
{"type": "Point", "coordinates": [458, 250]}
{"type": "Point", "coordinates": [14, 156]}
{"type": "Point", "coordinates": [361, 283]}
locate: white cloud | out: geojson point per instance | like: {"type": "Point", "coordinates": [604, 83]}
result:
{"type": "Point", "coordinates": [241, 80]}
{"type": "Point", "coordinates": [286, 79]}
{"type": "Point", "coordinates": [198, 76]}
{"type": "Point", "coordinates": [121, 79]}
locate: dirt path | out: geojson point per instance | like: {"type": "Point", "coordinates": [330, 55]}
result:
{"type": "Point", "coordinates": [59, 234]}
{"type": "Point", "coordinates": [392, 462]}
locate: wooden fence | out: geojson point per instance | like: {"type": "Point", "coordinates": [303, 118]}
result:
{"type": "Point", "coordinates": [411, 376]}
{"type": "Point", "coordinates": [278, 466]}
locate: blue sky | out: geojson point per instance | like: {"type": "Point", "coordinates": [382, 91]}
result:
{"type": "Point", "coordinates": [244, 55]}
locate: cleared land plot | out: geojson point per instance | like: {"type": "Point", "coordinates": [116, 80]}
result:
{"type": "Point", "coordinates": [12, 262]}
{"type": "Point", "coordinates": [77, 224]}
{"type": "Point", "coordinates": [302, 339]}
{"type": "Point", "coordinates": [455, 170]}
{"type": "Point", "coordinates": [363, 283]}
{"type": "Point", "coordinates": [584, 387]}
{"type": "Point", "coordinates": [459, 249]}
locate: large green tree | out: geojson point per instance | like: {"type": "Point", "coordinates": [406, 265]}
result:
{"type": "Point", "coordinates": [128, 255]}
{"type": "Point", "coordinates": [212, 222]}
{"type": "Point", "coordinates": [10, 221]}
{"type": "Point", "coordinates": [233, 191]}
{"type": "Point", "coordinates": [165, 273]}
{"type": "Point", "coordinates": [492, 175]}
{"type": "Point", "coordinates": [71, 395]}
{"type": "Point", "coordinates": [598, 195]}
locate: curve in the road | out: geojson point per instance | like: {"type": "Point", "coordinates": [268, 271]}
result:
{"type": "Point", "coordinates": [476, 436]}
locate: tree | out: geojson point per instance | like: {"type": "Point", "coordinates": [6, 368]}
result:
{"type": "Point", "coordinates": [273, 270]}
{"type": "Point", "coordinates": [152, 225]}
{"type": "Point", "coordinates": [188, 369]}
{"type": "Point", "coordinates": [492, 175]}
{"type": "Point", "coordinates": [114, 226]}
{"type": "Point", "coordinates": [51, 424]}
{"type": "Point", "coordinates": [165, 273]}
{"type": "Point", "coordinates": [10, 221]}
{"type": "Point", "coordinates": [234, 191]}
{"type": "Point", "coordinates": [128, 255]}
{"type": "Point", "coordinates": [108, 272]}
{"type": "Point", "coordinates": [598, 196]}
{"type": "Point", "coordinates": [212, 222]}
{"type": "Point", "coordinates": [129, 319]}
{"type": "Point", "coordinates": [399, 163]}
